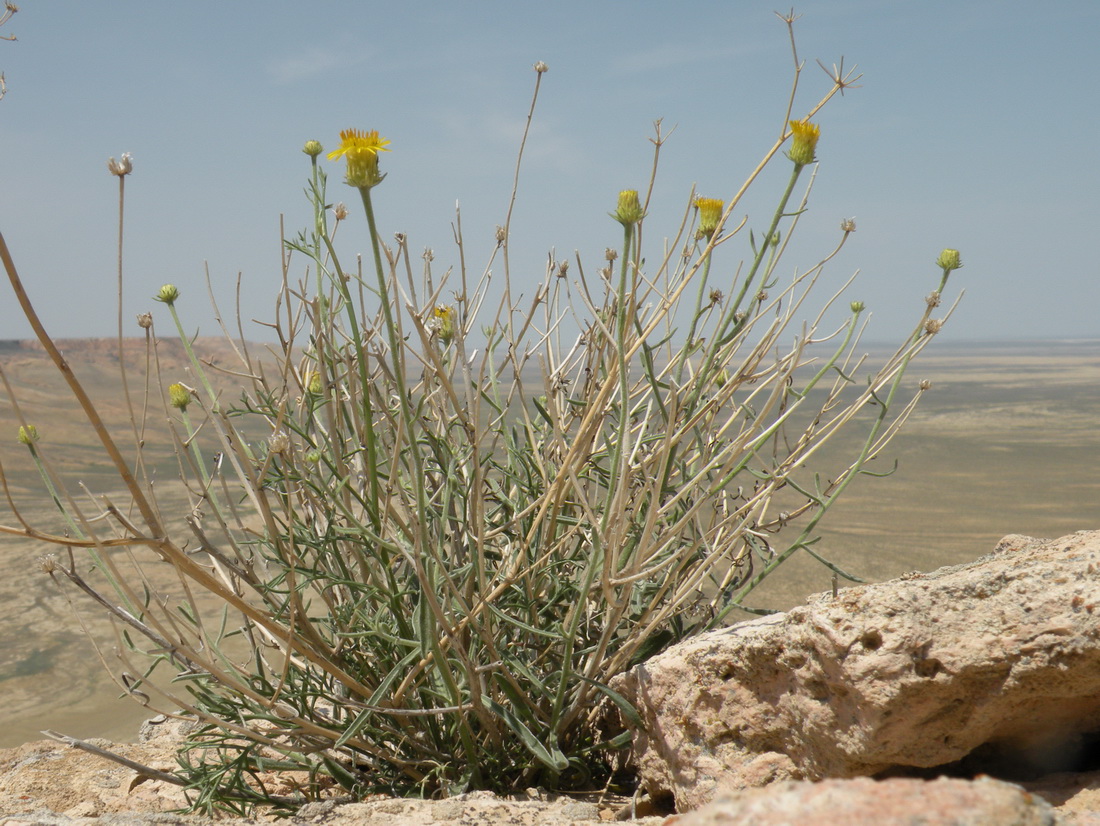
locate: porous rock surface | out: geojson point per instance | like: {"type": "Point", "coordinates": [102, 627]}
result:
{"type": "Point", "coordinates": [866, 802]}
{"type": "Point", "coordinates": [998, 659]}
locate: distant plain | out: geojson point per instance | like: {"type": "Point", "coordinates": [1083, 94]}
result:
{"type": "Point", "coordinates": [1006, 441]}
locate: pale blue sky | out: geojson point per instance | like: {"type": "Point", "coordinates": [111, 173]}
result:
{"type": "Point", "coordinates": [974, 128]}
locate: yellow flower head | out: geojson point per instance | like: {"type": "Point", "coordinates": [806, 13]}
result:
{"type": "Point", "coordinates": [361, 150]}
{"type": "Point", "coordinates": [630, 209]}
{"type": "Point", "coordinates": [710, 214]}
{"type": "Point", "coordinates": [179, 396]}
{"type": "Point", "coordinates": [443, 320]}
{"type": "Point", "coordinates": [28, 435]}
{"type": "Point", "coordinates": [804, 143]}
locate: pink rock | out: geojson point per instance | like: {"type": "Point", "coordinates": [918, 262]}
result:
{"type": "Point", "coordinates": [1001, 656]}
{"type": "Point", "coordinates": [865, 802]}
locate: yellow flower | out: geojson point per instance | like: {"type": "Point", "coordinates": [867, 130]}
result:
{"type": "Point", "coordinates": [630, 209]}
{"type": "Point", "coordinates": [179, 396]}
{"type": "Point", "coordinates": [361, 150]}
{"type": "Point", "coordinates": [804, 142]}
{"type": "Point", "coordinates": [28, 435]}
{"type": "Point", "coordinates": [443, 320]}
{"type": "Point", "coordinates": [710, 214]}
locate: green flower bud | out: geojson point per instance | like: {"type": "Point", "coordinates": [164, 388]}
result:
{"type": "Point", "coordinates": [857, 307]}
{"type": "Point", "coordinates": [28, 435]}
{"type": "Point", "coordinates": [167, 295]}
{"type": "Point", "coordinates": [949, 260]}
{"type": "Point", "coordinates": [313, 148]}
{"type": "Point", "coordinates": [630, 209]}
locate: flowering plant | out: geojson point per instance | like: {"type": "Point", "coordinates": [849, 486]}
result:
{"type": "Point", "coordinates": [434, 526]}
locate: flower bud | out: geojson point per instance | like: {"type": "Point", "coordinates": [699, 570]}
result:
{"type": "Point", "coordinates": [28, 435]}
{"type": "Point", "coordinates": [313, 148]}
{"type": "Point", "coordinates": [167, 295]}
{"type": "Point", "coordinates": [630, 209]}
{"type": "Point", "coordinates": [857, 307]}
{"type": "Point", "coordinates": [949, 260]}
{"type": "Point", "coordinates": [314, 386]}
{"type": "Point", "coordinates": [710, 215]}
{"type": "Point", "coordinates": [179, 396]}
{"type": "Point", "coordinates": [804, 142]}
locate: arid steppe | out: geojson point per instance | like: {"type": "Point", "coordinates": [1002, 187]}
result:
{"type": "Point", "coordinates": [1006, 441]}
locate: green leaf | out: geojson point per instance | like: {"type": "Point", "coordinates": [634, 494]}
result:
{"type": "Point", "coordinates": [624, 705]}
{"type": "Point", "coordinates": [550, 757]}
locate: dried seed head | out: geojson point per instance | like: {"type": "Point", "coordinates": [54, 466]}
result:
{"type": "Point", "coordinates": [428, 254]}
{"type": "Point", "coordinates": [145, 320]}
{"type": "Point", "coordinates": [848, 225]}
{"type": "Point", "coordinates": [48, 563]}
{"type": "Point", "coordinates": [501, 234]}
{"type": "Point", "coordinates": [541, 67]}
{"type": "Point", "coordinates": [122, 167]}
{"type": "Point", "coordinates": [278, 442]}
{"type": "Point", "coordinates": [610, 254]}
{"type": "Point", "coordinates": [716, 297]}
{"type": "Point", "coordinates": [925, 384]}
{"type": "Point", "coordinates": [933, 326]}
{"type": "Point", "coordinates": [932, 299]}
{"type": "Point", "coordinates": [762, 296]}
{"type": "Point", "coordinates": [340, 211]}
{"type": "Point", "coordinates": [563, 268]}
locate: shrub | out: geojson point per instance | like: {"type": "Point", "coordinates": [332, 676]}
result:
{"type": "Point", "coordinates": [436, 523]}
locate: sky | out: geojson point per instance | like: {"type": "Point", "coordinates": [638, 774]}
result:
{"type": "Point", "coordinates": [971, 129]}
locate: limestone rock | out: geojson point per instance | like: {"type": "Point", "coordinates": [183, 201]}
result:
{"type": "Point", "coordinates": [866, 802]}
{"type": "Point", "coordinates": [996, 661]}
